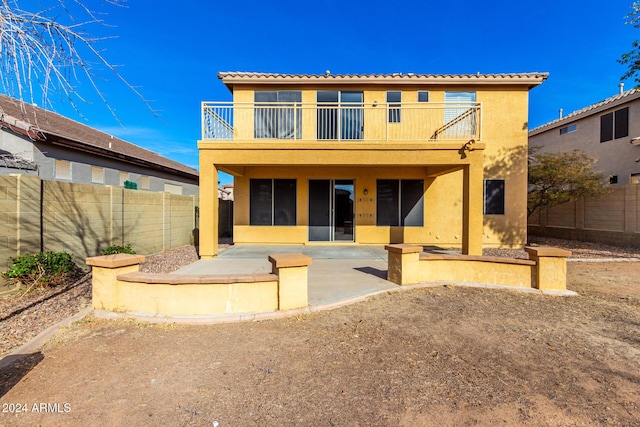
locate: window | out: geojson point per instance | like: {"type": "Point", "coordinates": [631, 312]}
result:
{"type": "Point", "coordinates": [393, 103]}
{"type": "Point", "coordinates": [340, 115]}
{"type": "Point", "coordinates": [124, 176]}
{"type": "Point", "coordinates": [400, 202]}
{"type": "Point", "coordinates": [272, 202]}
{"type": "Point", "coordinates": [614, 125]}
{"type": "Point", "coordinates": [144, 182]}
{"type": "Point", "coordinates": [172, 188]}
{"type": "Point", "coordinates": [568, 129]}
{"type": "Point", "coordinates": [635, 178]}
{"type": "Point", "coordinates": [63, 170]}
{"type": "Point", "coordinates": [97, 175]}
{"type": "Point", "coordinates": [278, 121]}
{"type": "Point", "coordinates": [613, 179]}
{"type": "Point", "coordinates": [494, 196]}
{"type": "Point", "coordinates": [460, 115]}
{"type": "Point", "coordinates": [423, 96]}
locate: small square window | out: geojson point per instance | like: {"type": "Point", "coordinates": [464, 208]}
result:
{"type": "Point", "coordinates": [423, 96]}
{"type": "Point", "coordinates": [613, 179]}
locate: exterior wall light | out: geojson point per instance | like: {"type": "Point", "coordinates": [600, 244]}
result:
{"type": "Point", "coordinates": [366, 191]}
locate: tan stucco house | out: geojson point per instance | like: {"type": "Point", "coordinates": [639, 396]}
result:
{"type": "Point", "coordinates": [430, 159]}
{"type": "Point", "coordinates": [605, 130]}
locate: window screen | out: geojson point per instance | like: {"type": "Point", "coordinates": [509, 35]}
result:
{"type": "Point", "coordinates": [388, 198]}
{"type": "Point", "coordinates": [400, 202]}
{"type": "Point", "coordinates": [494, 197]}
{"type": "Point", "coordinates": [272, 202]}
{"type": "Point", "coordinates": [260, 197]}
{"type": "Point", "coordinates": [621, 123]}
{"type": "Point", "coordinates": [606, 127]}
{"type": "Point", "coordinates": [411, 202]}
{"type": "Point", "coordinates": [284, 201]}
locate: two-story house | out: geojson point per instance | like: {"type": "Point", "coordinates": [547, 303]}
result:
{"type": "Point", "coordinates": [607, 130]}
{"type": "Point", "coordinates": [429, 159]}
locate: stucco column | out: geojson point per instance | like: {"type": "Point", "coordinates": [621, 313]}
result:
{"type": "Point", "coordinates": [550, 269]}
{"type": "Point", "coordinates": [403, 263]}
{"type": "Point", "coordinates": [472, 217]}
{"type": "Point", "coordinates": [208, 206]}
{"type": "Point", "coordinates": [293, 278]}
{"type": "Point", "coordinates": [104, 271]}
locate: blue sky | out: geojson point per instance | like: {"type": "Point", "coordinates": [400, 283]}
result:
{"type": "Point", "coordinates": [172, 52]}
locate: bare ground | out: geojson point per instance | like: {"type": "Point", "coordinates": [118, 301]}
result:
{"type": "Point", "coordinates": [438, 356]}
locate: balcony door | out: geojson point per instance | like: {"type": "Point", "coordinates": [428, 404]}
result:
{"type": "Point", "coordinates": [331, 210]}
{"type": "Point", "coordinates": [340, 115]}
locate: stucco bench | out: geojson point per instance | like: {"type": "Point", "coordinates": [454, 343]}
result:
{"type": "Point", "coordinates": [196, 279]}
{"type": "Point", "coordinates": [497, 260]}
{"type": "Point", "coordinates": [545, 270]}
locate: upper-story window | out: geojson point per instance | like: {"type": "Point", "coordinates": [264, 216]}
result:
{"type": "Point", "coordinates": [340, 114]}
{"type": "Point", "coordinates": [568, 129]}
{"type": "Point", "coordinates": [63, 170]}
{"type": "Point", "coordinates": [278, 114]}
{"type": "Point", "coordinates": [97, 175]}
{"type": "Point", "coordinates": [423, 96]}
{"type": "Point", "coordinates": [460, 114]}
{"type": "Point", "coordinates": [614, 125]}
{"type": "Point", "coordinates": [394, 99]}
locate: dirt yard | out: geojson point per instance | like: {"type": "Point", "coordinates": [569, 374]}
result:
{"type": "Point", "coordinates": [443, 356]}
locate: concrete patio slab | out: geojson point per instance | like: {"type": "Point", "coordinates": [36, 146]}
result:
{"type": "Point", "coordinates": [338, 273]}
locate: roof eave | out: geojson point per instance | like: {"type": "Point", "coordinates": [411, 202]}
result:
{"type": "Point", "coordinates": [61, 140]}
{"type": "Point", "coordinates": [528, 79]}
{"type": "Point", "coordinates": [571, 117]}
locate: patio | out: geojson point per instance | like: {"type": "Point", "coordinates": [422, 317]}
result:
{"type": "Point", "coordinates": [337, 274]}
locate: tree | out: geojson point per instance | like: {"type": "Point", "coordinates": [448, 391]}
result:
{"type": "Point", "coordinates": [50, 51]}
{"type": "Point", "coordinates": [632, 58]}
{"type": "Point", "coordinates": [556, 178]}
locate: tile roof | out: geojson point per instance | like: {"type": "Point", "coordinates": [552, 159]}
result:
{"type": "Point", "coordinates": [531, 79]}
{"type": "Point", "coordinates": [44, 125]}
{"type": "Point", "coordinates": [610, 102]}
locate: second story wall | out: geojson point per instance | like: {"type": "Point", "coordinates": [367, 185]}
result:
{"type": "Point", "coordinates": [616, 158]}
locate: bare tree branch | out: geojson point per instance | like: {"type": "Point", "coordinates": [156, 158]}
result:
{"type": "Point", "coordinates": [50, 51]}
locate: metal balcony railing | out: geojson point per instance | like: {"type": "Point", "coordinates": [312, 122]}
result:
{"type": "Point", "coordinates": [341, 122]}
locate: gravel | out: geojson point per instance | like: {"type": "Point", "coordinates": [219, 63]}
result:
{"type": "Point", "coordinates": [22, 317]}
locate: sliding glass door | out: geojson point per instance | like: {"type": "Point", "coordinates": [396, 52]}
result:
{"type": "Point", "coordinates": [340, 115]}
{"type": "Point", "coordinates": [331, 210]}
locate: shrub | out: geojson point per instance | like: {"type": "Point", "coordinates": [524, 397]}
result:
{"type": "Point", "coordinates": [117, 249]}
{"type": "Point", "coordinates": [42, 269]}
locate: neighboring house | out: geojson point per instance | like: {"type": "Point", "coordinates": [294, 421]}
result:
{"type": "Point", "coordinates": [432, 159]}
{"type": "Point", "coordinates": [225, 192]}
{"type": "Point", "coordinates": [40, 142]}
{"type": "Point", "coordinates": [608, 130]}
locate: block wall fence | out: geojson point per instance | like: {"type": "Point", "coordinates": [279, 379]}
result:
{"type": "Point", "coordinates": [83, 219]}
{"type": "Point", "coordinates": [613, 218]}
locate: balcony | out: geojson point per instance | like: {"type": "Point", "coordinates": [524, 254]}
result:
{"type": "Point", "coordinates": [351, 122]}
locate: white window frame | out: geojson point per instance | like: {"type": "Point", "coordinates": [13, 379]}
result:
{"type": "Point", "coordinates": [63, 170]}
{"type": "Point", "coordinates": [97, 175]}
